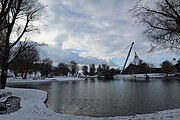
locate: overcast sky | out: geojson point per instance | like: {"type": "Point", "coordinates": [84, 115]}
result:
{"type": "Point", "coordinates": [94, 31]}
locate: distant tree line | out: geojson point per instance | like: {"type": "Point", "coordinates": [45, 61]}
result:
{"type": "Point", "coordinates": [100, 70]}
{"type": "Point", "coordinates": [23, 68]}
{"type": "Point", "coordinates": [64, 69]}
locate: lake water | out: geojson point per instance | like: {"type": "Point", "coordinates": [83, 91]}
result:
{"type": "Point", "coordinates": [100, 98]}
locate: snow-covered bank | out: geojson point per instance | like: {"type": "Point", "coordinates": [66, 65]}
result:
{"type": "Point", "coordinates": [30, 80]}
{"type": "Point", "coordinates": [33, 108]}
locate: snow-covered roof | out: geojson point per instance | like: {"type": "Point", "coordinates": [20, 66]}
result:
{"type": "Point", "coordinates": [136, 60]}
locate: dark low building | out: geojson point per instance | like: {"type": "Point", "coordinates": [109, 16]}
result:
{"type": "Point", "coordinates": [138, 66]}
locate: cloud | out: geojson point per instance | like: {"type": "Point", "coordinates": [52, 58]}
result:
{"type": "Point", "coordinates": [92, 31]}
{"type": "Point", "coordinates": [58, 55]}
{"type": "Point", "coordinates": [98, 26]}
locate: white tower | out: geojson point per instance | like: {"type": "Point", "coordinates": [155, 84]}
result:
{"type": "Point", "coordinates": [136, 60]}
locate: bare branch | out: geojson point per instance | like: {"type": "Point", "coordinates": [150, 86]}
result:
{"type": "Point", "coordinates": [21, 35]}
{"type": "Point", "coordinates": [162, 23]}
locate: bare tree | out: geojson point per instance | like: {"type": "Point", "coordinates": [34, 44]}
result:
{"type": "Point", "coordinates": [24, 63]}
{"type": "Point", "coordinates": [5, 7]}
{"type": "Point", "coordinates": [73, 68]}
{"type": "Point", "coordinates": [63, 69]}
{"type": "Point", "coordinates": [17, 18]}
{"type": "Point", "coordinates": [92, 69]}
{"type": "Point", "coordinates": [45, 67]}
{"type": "Point", "coordinates": [161, 21]}
{"type": "Point", "coordinates": [85, 70]}
{"type": "Point", "coordinates": [167, 67]}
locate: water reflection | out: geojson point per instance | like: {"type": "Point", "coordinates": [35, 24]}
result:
{"type": "Point", "coordinates": [110, 97]}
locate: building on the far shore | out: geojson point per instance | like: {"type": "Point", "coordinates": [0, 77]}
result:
{"type": "Point", "coordinates": [139, 66]}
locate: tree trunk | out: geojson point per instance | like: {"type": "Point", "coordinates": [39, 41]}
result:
{"type": "Point", "coordinates": [3, 78]}
{"type": "Point", "coordinates": [25, 74]}
{"type": "Point", "coordinates": [5, 58]}
{"type": "Point", "coordinates": [15, 74]}
{"type": "Point", "coordinates": [4, 70]}
{"type": "Point", "coordinates": [167, 74]}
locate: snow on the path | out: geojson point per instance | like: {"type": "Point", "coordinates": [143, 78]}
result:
{"type": "Point", "coordinates": [30, 80]}
{"type": "Point", "coordinates": [34, 108]}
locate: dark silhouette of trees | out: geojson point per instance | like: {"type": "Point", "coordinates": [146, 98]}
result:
{"type": "Point", "coordinates": [55, 71]}
{"type": "Point", "coordinates": [99, 69]}
{"type": "Point", "coordinates": [167, 67]}
{"type": "Point", "coordinates": [113, 71]}
{"type": "Point", "coordinates": [17, 17]}
{"type": "Point", "coordinates": [85, 70]}
{"type": "Point", "coordinates": [104, 70]}
{"type": "Point", "coordinates": [105, 67]}
{"type": "Point", "coordinates": [24, 63]}
{"type": "Point", "coordinates": [92, 69]}
{"type": "Point", "coordinates": [73, 68]}
{"type": "Point", "coordinates": [35, 68]}
{"type": "Point", "coordinates": [162, 23]}
{"type": "Point", "coordinates": [63, 69]}
{"type": "Point", "coordinates": [117, 71]}
{"type": "Point", "coordinates": [177, 66]}
{"type": "Point", "coordinates": [45, 67]}
{"type": "Point", "coordinates": [144, 68]}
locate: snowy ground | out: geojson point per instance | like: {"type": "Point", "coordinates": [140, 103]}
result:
{"type": "Point", "coordinates": [30, 80]}
{"type": "Point", "coordinates": [33, 108]}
